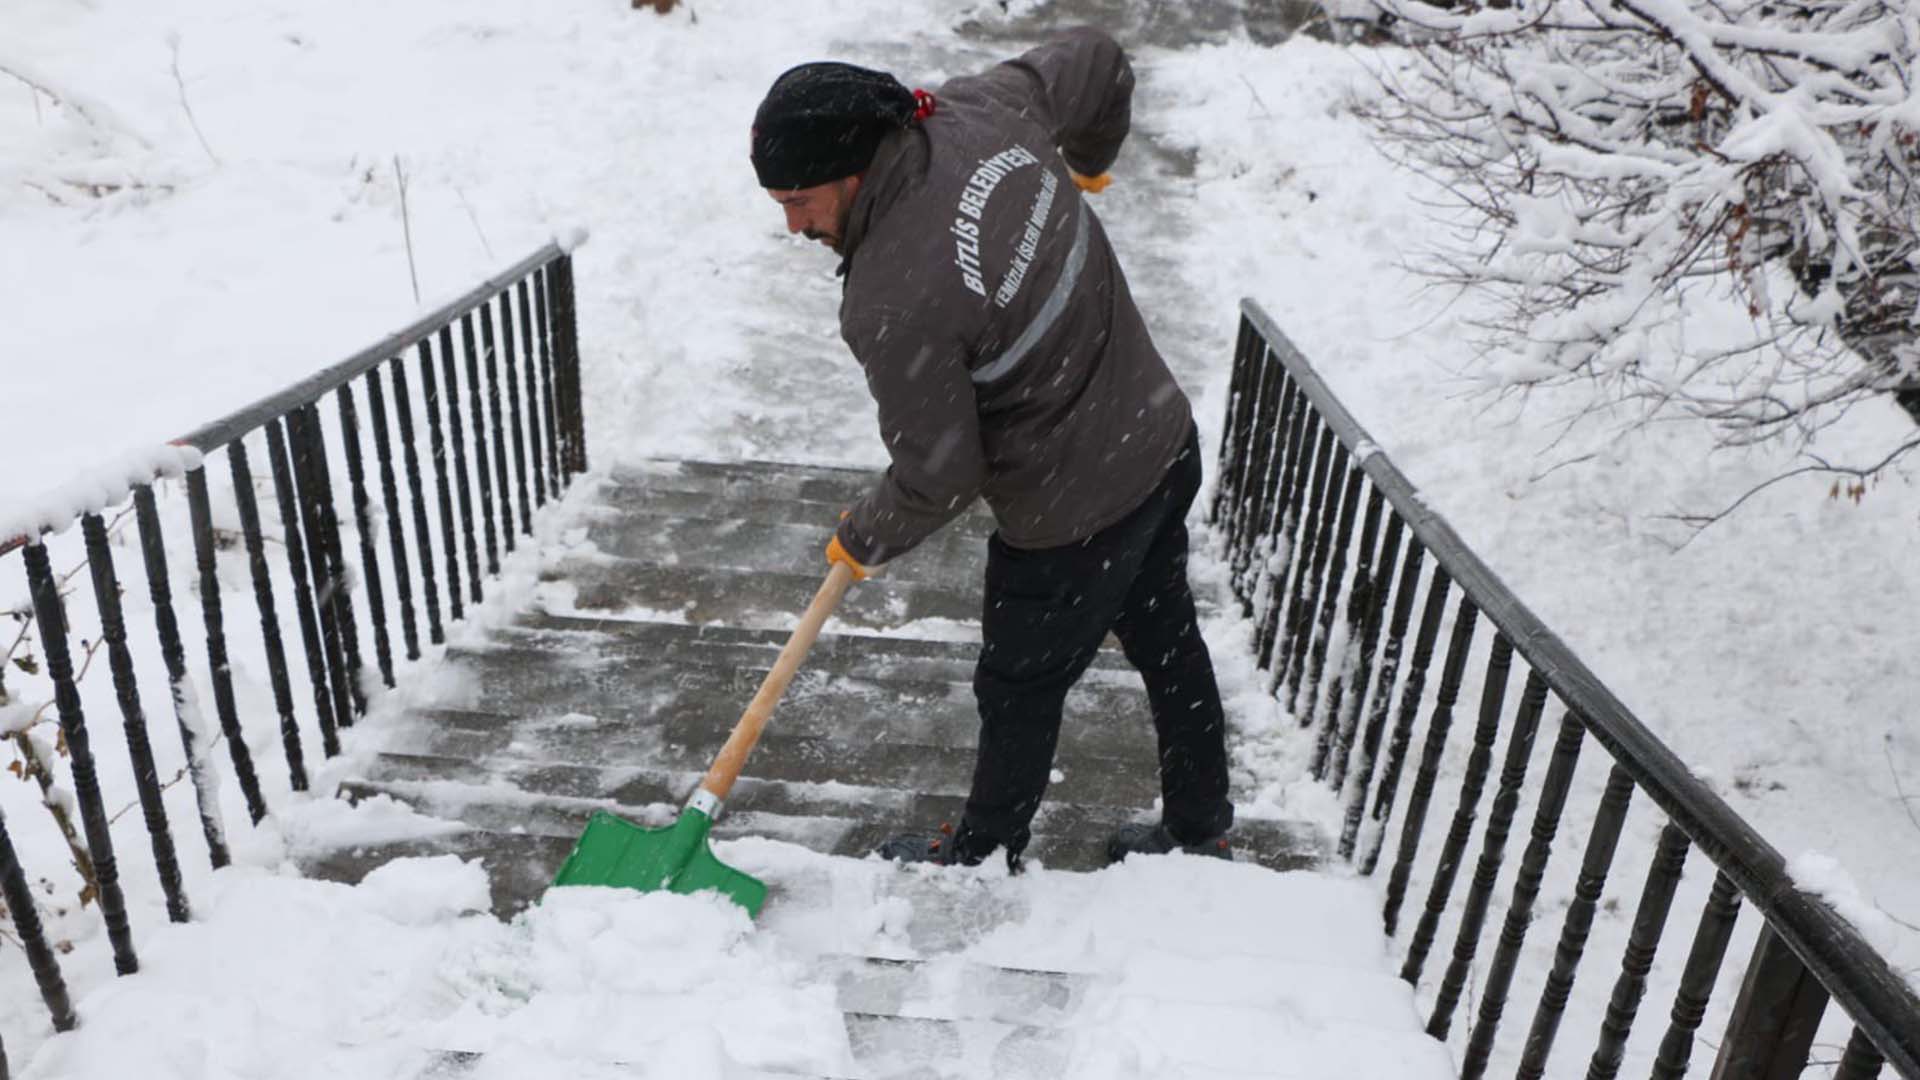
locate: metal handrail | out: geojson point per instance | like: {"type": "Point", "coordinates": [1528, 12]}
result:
{"type": "Point", "coordinates": [1880, 1002]}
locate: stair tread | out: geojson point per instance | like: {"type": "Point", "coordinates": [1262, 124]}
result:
{"type": "Point", "coordinates": [908, 759]}
{"type": "Point", "coordinates": [766, 596]}
{"type": "Point", "coordinates": [953, 657]}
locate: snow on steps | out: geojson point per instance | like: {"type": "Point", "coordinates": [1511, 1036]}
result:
{"type": "Point", "coordinates": [621, 701]}
{"type": "Point", "coordinates": [1165, 968]}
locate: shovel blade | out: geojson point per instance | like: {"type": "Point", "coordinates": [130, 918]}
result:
{"type": "Point", "coordinates": [614, 851]}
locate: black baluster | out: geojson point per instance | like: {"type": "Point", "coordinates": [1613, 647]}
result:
{"type": "Point", "coordinates": [449, 368]}
{"type": "Point", "coordinates": [325, 584]}
{"type": "Point", "coordinates": [126, 690]}
{"type": "Point", "coordinates": [566, 357]}
{"type": "Point", "coordinates": [1263, 499]}
{"type": "Point", "coordinates": [1429, 633]}
{"type": "Point", "coordinates": [269, 618]}
{"type": "Point", "coordinates": [437, 445]}
{"type": "Point", "coordinates": [1279, 521]}
{"type": "Point", "coordinates": [1233, 433]}
{"type": "Point", "coordinates": [86, 777]}
{"type": "Point", "coordinates": [490, 352]}
{"type": "Point", "coordinates": [1493, 852]}
{"type": "Point", "coordinates": [1316, 531]}
{"type": "Point", "coordinates": [1696, 981]}
{"type": "Point", "coordinates": [336, 557]}
{"type": "Point", "coordinates": [1861, 1060]}
{"type": "Point", "coordinates": [1492, 696]}
{"type": "Point", "coordinates": [173, 654]}
{"type": "Point", "coordinates": [1242, 532]}
{"type": "Point", "coordinates": [324, 535]}
{"type": "Point", "coordinates": [201, 513]}
{"type": "Point", "coordinates": [390, 496]}
{"type": "Point", "coordinates": [1363, 630]}
{"type": "Point", "coordinates": [483, 469]}
{"type": "Point", "coordinates": [505, 300]}
{"type": "Point", "coordinates": [1364, 691]}
{"type": "Point", "coordinates": [1326, 592]}
{"type": "Point", "coordinates": [298, 563]}
{"type": "Point", "coordinates": [1302, 427]}
{"type": "Point", "coordinates": [1438, 725]}
{"type": "Point", "coordinates": [1776, 1017]}
{"type": "Point", "coordinates": [1526, 890]}
{"type": "Point", "coordinates": [363, 522]}
{"type": "Point", "coordinates": [1601, 842]}
{"type": "Point", "coordinates": [533, 397]}
{"type": "Point", "coordinates": [550, 407]}
{"type": "Point", "coordinates": [1382, 701]}
{"type": "Point", "coordinates": [1318, 538]}
{"type": "Point", "coordinates": [33, 936]}
{"type": "Point", "coordinates": [1649, 922]}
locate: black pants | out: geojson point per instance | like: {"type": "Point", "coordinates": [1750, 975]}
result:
{"type": "Point", "coordinates": [1047, 612]}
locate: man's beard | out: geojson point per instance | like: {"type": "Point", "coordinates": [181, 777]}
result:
{"type": "Point", "coordinates": [816, 235]}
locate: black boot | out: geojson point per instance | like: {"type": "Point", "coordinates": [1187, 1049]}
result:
{"type": "Point", "coordinates": [945, 847]}
{"type": "Point", "coordinates": [1139, 838]}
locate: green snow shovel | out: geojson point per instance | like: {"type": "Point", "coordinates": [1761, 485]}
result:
{"type": "Point", "coordinates": [615, 851]}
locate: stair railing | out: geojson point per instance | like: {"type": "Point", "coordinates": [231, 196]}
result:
{"type": "Point", "coordinates": [1327, 543]}
{"type": "Point", "coordinates": [484, 391]}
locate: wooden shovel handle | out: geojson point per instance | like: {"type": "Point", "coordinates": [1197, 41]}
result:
{"type": "Point", "coordinates": [733, 756]}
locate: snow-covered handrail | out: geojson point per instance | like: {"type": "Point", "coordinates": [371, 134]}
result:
{"type": "Point", "coordinates": [1294, 464]}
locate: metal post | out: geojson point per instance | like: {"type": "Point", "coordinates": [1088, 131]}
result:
{"type": "Point", "coordinates": [1770, 1033]}
{"type": "Point", "coordinates": [25, 910]}
{"type": "Point", "coordinates": [126, 689]}
{"type": "Point", "coordinates": [299, 562]}
{"type": "Point", "coordinates": [52, 619]}
{"type": "Point", "coordinates": [363, 523]}
{"type": "Point", "coordinates": [201, 513]}
{"type": "Point", "coordinates": [390, 496]}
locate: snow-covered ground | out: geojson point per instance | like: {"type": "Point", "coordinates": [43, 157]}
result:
{"type": "Point", "coordinates": [396, 974]}
{"type": "Point", "coordinates": [199, 203]}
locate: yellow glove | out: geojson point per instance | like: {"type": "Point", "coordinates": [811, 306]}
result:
{"type": "Point", "coordinates": [1092, 185]}
{"type": "Point", "coordinates": [836, 553]}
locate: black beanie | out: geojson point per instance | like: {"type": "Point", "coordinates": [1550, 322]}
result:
{"type": "Point", "coordinates": [823, 121]}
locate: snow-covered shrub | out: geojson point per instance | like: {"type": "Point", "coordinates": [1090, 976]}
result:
{"type": "Point", "coordinates": [1706, 208]}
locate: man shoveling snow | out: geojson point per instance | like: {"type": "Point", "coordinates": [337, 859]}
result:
{"type": "Point", "coordinates": [998, 337]}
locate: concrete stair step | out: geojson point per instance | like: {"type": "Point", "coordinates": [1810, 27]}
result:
{"type": "Point", "coordinates": [947, 559]}
{"type": "Point", "coordinates": [909, 761]}
{"type": "Point", "coordinates": [857, 654]}
{"type": "Point", "coordinates": [765, 596]}
{"type": "Point", "coordinates": [597, 708]}
{"type": "Point", "coordinates": [665, 496]}
{"type": "Point", "coordinates": [880, 986]}
{"type": "Point", "coordinates": [930, 1048]}
{"type": "Point", "coordinates": [831, 485]}
{"type": "Point", "coordinates": [835, 818]}
{"type": "Point", "coordinates": [522, 834]}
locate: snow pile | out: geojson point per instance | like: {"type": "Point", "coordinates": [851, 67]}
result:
{"type": "Point", "coordinates": [295, 978]}
{"type": "Point", "coordinates": [1191, 968]}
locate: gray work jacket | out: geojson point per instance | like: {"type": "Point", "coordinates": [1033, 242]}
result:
{"type": "Point", "coordinates": [987, 309]}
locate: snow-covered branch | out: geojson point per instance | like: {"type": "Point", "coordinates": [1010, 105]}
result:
{"type": "Point", "coordinates": [1624, 162]}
